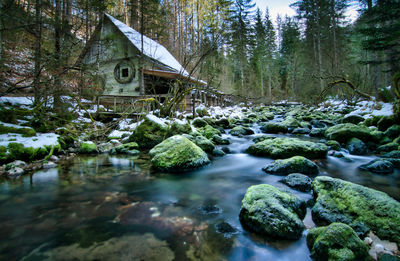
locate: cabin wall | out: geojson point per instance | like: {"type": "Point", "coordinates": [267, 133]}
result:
{"type": "Point", "coordinates": [110, 50]}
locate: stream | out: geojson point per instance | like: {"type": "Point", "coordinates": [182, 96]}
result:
{"type": "Point", "coordinates": [60, 212]}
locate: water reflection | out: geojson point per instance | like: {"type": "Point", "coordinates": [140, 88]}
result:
{"type": "Point", "coordinates": [106, 199]}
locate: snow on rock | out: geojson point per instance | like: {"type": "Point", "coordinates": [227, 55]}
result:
{"type": "Point", "coordinates": [124, 124]}
{"type": "Point", "coordinates": [160, 121]}
{"type": "Point", "coordinates": [14, 125]}
{"type": "Point", "coordinates": [117, 134]}
{"type": "Point", "coordinates": [40, 140]}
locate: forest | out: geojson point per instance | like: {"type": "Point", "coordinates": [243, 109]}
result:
{"type": "Point", "coordinates": [200, 130]}
{"type": "Point", "coordinates": [231, 45]}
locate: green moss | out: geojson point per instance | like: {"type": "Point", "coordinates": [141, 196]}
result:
{"type": "Point", "coordinates": [373, 121]}
{"type": "Point", "coordinates": [208, 131]}
{"type": "Point", "coordinates": [88, 147]}
{"type": "Point", "coordinates": [362, 208]}
{"type": "Point", "coordinates": [240, 131]}
{"type": "Point", "coordinates": [176, 128]}
{"type": "Point", "coordinates": [344, 132]}
{"type": "Point", "coordinates": [385, 122]}
{"type": "Point", "coordinates": [178, 153]}
{"type": "Point", "coordinates": [288, 147]}
{"type": "Point", "coordinates": [336, 242]}
{"type": "Point", "coordinates": [17, 151]}
{"type": "Point", "coordinates": [26, 132]}
{"type": "Point", "coordinates": [268, 211]}
{"type": "Point", "coordinates": [199, 123]}
{"type": "Point", "coordinates": [333, 145]}
{"type": "Point", "coordinates": [130, 148]}
{"type": "Point", "coordinates": [3, 155]}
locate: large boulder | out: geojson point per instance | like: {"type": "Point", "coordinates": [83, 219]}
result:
{"type": "Point", "coordinates": [273, 127]}
{"type": "Point", "coordinates": [208, 131]}
{"type": "Point", "coordinates": [296, 164]}
{"type": "Point", "coordinates": [149, 133]}
{"type": "Point", "coordinates": [87, 147]}
{"type": "Point", "coordinates": [362, 208]}
{"type": "Point", "coordinates": [344, 132]}
{"type": "Point", "coordinates": [288, 147]}
{"type": "Point", "coordinates": [337, 241]}
{"type": "Point", "coordinates": [269, 211]}
{"type": "Point", "coordinates": [178, 153]}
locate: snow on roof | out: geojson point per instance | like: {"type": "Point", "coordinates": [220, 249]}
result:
{"type": "Point", "coordinates": [151, 48]}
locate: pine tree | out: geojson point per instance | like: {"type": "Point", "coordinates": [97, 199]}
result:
{"type": "Point", "coordinates": [240, 37]}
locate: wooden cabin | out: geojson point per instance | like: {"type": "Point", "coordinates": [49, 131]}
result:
{"type": "Point", "coordinates": [113, 56]}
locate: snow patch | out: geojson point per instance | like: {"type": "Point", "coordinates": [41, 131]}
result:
{"type": "Point", "coordinates": [40, 140]}
{"type": "Point", "coordinates": [17, 100]}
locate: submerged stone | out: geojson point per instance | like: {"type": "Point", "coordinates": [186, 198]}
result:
{"type": "Point", "coordinates": [362, 208]}
{"type": "Point", "coordinates": [129, 247]}
{"type": "Point", "coordinates": [178, 153]}
{"type": "Point", "coordinates": [378, 166]}
{"type": "Point", "coordinates": [356, 147]}
{"type": "Point", "coordinates": [337, 241]}
{"type": "Point", "coordinates": [298, 181]}
{"type": "Point", "coordinates": [288, 147]}
{"type": "Point", "coordinates": [271, 212]}
{"type": "Point", "coordinates": [294, 164]}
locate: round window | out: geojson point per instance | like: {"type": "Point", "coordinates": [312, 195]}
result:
{"type": "Point", "coordinates": [124, 72]}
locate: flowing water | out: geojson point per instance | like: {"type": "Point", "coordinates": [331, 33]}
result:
{"type": "Point", "coordinates": [118, 208]}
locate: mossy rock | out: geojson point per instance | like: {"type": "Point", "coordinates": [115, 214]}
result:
{"type": "Point", "coordinates": [219, 140]}
{"type": "Point", "coordinates": [177, 128]}
{"type": "Point", "coordinates": [273, 127]}
{"type": "Point", "coordinates": [87, 147]}
{"type": "Point", "coordinates": [26, 132]}
{"type": "Point", "coordinates": [176, 154]}
{"type": "Point", "coordinates": [294, 164]}
{"type": "Point", "coordinates": [148, 134]}
{"type": "Point", "coordinates": [352, 118]}
{"type": "Point", "coordinates": [130, 148]}
{"type": "Point", "coordinates": [388, 147]}
{"type": "Point", "coordinates": [241, 131]}
{"type": "Point", "coordinates": [333, 145]}
{"type": "Point", "coordinates": [385, 122]}
{"type": "Point", "coordinates": [223, 122]}
{"type": "Point", "coordinates": [393, 131]}
{"type": "Point", "coordinates": [362, 208]}
{"type": "Point", "coordinates": [372, 121]}
{"type": "Point", "coordinates": [271, 212]}
{"type": "Point", "coordinates": [262, 138]}
{"type": "Point", "coordinates": [208, 131]}
{"type": "Point", "coordinates": [337, 241]}
{"type": "Point", "coordinates": [379, 166]}
{"type": "Point", "coordinates": [345, 131]}
{"type": "Point", "coordinates": [288, 147]}
{"type": "Point", "coordinates": [204, 143]}
{"type": "Point", "coordinates": [199, 123]}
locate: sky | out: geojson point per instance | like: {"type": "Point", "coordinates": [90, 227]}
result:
{"type": "Point", "coordinates": [282, 7]}
{"type": "Point", "coordinates": [276, 7]}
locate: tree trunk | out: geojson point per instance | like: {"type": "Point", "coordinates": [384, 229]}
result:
{"type": "Point", "coordinates": [38, 54]}
{"type": "Point", "coordinates": [57, 102]}
{"type": "Point", "coordinates": [141, 67]}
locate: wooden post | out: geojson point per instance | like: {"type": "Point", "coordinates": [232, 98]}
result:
{"type": "Point", "coordinates": [115, 104]}
{"type": "Point", "coordinates": [194, 105]}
